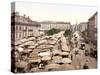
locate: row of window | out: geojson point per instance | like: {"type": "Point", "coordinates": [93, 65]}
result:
{"type": "Point", "coordinates": [22, 28]}
{"type": "Point", "coordinates": [22, 35]}
{"type": "Point", "coordinates": [59, 26]}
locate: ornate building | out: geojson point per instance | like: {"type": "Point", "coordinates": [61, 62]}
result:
{"type": "Point", "coordinates": [47, 25]}
{"type": "Point", "coordinates": [83, 26]}
{"type": "Point", "coordinates": [92, 28]}
{"type": "Point", "coordinates": [22, 27]}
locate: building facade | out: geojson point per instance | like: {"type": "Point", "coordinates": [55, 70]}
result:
{"type": "Point", "coordinates": [83, 26]}
{"type": "Point", "coordinates": [22, 27]}
{"type": "Point", "coordinates": [58, 25]}
{"type": "Point", "coordinates": [92, 28]}
{"type": "Point", "coordinates": [74, 28]}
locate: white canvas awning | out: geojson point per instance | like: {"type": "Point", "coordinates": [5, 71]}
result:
{"type": "Point", "coordinates": [20, 49]}
{"type": "Point", "coordinates": [34, 60]}
{"type": "Point", "coordinates": [31, 47]}
{"type": "Point", "coordinates": [66, 60]}
{"type": "Point", "coordinates": [42, 41]}
{"type": "Point", "coordinates": [64, 45]}
{"type": "Point", "coordinates": [64, 53]}
{"type": "Point", "coordinates": [21, 64]}
{"type": "Point", "coordinates": [52, 66]}
{"type": "Point", "coordinates": [56, 59]}
{"type": "Point", "coordinates": [56, 52]}
{"type": "Point", "coordinates": [48, 53]}
{"type": "Point", "coordinates": [29, 43]}
{"type": "Point", "coordinates": [46, 58]}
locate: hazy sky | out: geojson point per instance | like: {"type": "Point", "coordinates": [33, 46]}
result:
{"type": "Point", "coordinates": [55, 12]}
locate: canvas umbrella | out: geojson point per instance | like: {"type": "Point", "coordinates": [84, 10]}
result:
{"type": "Point", "coordinates": [46, 58]}
{"type": "Point", "coordinates": [42, 33]}
{"type": "Point", "coordinates": [34, 60]}
{"type": "Point", "coordinates": [64, 44]}
{"type": "Point", "coordinates": [52, 42]}
{"type": "Point", "coordinates": [27, 51]}
{"type": "Point", "coordinates": [53, 38]}
{"type": "Point", "coordinates": [65, 47]}
{"type": "Point", "coordinates": [35, 69]}
{"type": "Point", "coordinates": [64, 53]}
{"type": "Point", "coordinates": [41, 46]}
{"type": "Point", "coordinates": [59, 34]}
{"type": "Point", "coordinates": [56, 59]}
{"type": "Point", "coordinates": [48, 46]}
{"type": "Point", "coordinates": [21, 64]}
{"type": "Point", "coordinates": [17, 42]}
{"type": "Point", "coordinates": [42, 41]}
{"type": "Point", "coordinates": [32, 47]}
{"type": "Point", "coordinates": [52, 67]}
{"type": "Point", "coordinates": [31, 38]}
{"type": "Point", "coordinates": [67, 67]}
{"type": "Point", "coordinates": [21, 45]}
{"type": "Point", "coordinates": [55, 52]}
{"type": "Point", "coordinates": [63, 39]}
{"type": "Point", "coordinates": [28, 43]}
{"type": "Point", "coordinates": [48, 53]}
{"type": "Point", "coordinates": [33, 55]}
{"type": "Point", "coordinates": [23, 40]}
{"type": "Point", "coordinates": [66, 60]}
{"type": "Point", "coordinates": [20, 49]}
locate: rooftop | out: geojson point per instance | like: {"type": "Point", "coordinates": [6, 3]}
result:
{"type": "Point", "coordinates": [23, 20]}
{"type": "Point", "coordinates": [54, 22]}
{"type": "Point", "coordinates": [93, 16]}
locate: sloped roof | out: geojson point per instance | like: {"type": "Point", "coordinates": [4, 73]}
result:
{"type": "Point", "coordinates": [23, 20]}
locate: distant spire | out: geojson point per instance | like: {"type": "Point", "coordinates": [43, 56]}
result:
{"type": "Point", "coordinates": [76, 25]}
{"type": "Point", "coordinates": [76, 21]}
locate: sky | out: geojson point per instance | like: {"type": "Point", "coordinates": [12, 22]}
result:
{"type": "Point", "coordinates": [55, 12]}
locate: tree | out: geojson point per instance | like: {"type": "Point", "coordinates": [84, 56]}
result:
{"type": "Point", "coordinates": [67, 32]}
{"type": "Point", "coordinates": [53, 31]}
